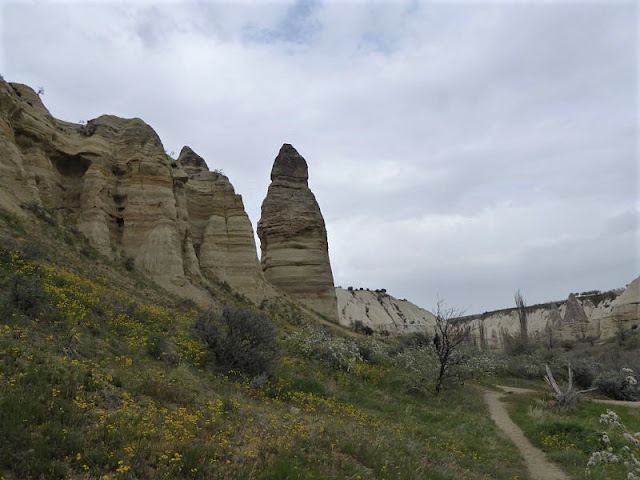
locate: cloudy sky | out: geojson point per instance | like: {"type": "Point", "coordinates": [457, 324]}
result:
{"type": "Point", "coordinates": [461, 149]}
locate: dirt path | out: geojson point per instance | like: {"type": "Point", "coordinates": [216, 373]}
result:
{"type": "Point", "coordinates": [623, 403]}
{"type": "Point", "coordinates": [537, 464]}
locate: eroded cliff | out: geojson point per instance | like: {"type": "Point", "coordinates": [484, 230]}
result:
{"type": "Point", "coordinates": [381, 312]}
{"type": "Point", "coordinates": [593, 316]}
{"type": "Point", "coordinates": [181, 224]}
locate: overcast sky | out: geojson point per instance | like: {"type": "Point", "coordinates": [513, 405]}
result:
{"type": "Point", "coordinates": [461, 149]}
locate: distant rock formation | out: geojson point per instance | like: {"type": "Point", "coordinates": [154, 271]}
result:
{"type": "Point", "coordinates": [181, 224]}
{"type": "Point", "coordinates": [293, 237]}
{"type": "Point", "coordinates": [596, 316]}
{"type": "Point", "coordinates": [623, 313]}
{"type": "Point", "coordinates": [575, 322]}
{"type": "Point", "coordinates": [382, 313]}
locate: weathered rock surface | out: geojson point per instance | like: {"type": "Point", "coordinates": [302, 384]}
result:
{"type": "Point", "coordinates": [183, 225]}
{"type": "Point", "coordinates": [382, 313]}
{"type": "Point", "coordinates": [293, 237]}
{"type": "Point", "coordinates": [221, 232]}
{"type": "Point", "coordinates": [597, 316]}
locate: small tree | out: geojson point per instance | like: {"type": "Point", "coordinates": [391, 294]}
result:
{"type": "Point", "coordinates": [450, 334]}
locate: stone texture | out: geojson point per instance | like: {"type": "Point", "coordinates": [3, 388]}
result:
{"type": "Point", "coordinates": [575, 322]}
{"type": "Point", "coordinates": [293, 237]}
{"type": "Point", "coordinates": [623, 313]}
{"type": "Point", "coordinates": [382, 313]}
{"type": "Point", "coordinates": [574, 319]}
{"type": "Point", "coordinates": [183, 225]}
{"type": "Point", "coordinates": [220, 228]}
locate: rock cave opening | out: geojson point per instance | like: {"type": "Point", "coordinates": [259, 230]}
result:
{"type": "Point", "coordinates": [72, 166]}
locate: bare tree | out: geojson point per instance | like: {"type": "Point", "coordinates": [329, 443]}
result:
{"type": "Point", "coordinates": [570, 397]}
{"type": "Point", "coordinates": [522, 316]}
{"type": "Point", "coordinates": [450, 334]}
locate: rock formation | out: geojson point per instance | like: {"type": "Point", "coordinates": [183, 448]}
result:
{"type": "Point", "coordinates": [293, 237]}
{"type": "Point", "coordinates": [381, 312]}
{"type": "Point", "coordinates": [575, 322]}
{"type": "Point", "coordinates": [597, 316]}
{"type": "Point", "coordinates": [181, 224]}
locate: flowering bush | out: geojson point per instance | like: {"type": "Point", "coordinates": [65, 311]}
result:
{"type": "Point", "coordinates": [627, 455]}
{"type": "Point", "coordinates": [374, 352]}
{"type": "Point", "coordinates": [484, 364]}
{"type": "Point", "coordinates": [336, 352]}
{"type": "Point", "coordinates": [621, 385]}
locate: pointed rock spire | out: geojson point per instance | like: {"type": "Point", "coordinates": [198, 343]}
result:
{"type": "Point", "coordinates": [293, 237]}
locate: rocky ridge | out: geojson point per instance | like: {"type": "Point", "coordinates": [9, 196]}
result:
{"type": "Point", "coordinates": [381, 312]}
{"type": "Point", "coordinates": [595, 316]}
{"type": "Point", "coordinates": [181, 224]}
{"type": "Point", "coordinates": [293, 237]}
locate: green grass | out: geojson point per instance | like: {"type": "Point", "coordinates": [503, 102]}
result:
{"type": "Point", "coordinates": [569, 437]}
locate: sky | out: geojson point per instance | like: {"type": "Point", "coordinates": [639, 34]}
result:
{"type": "Point", "coordinates": [461, 150]}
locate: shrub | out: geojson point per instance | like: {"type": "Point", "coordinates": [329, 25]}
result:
{"type": "Point", "coordinates": [25, 294]}
{"type": "Point", "coordinates": [360, 327]}
{"type": "Point", "coordinates": [34, 250]}
{"type": "Point", "coordinates": [40, 211]}
{"type": "Point", "coordinates": [129, 264]}
{"type": "Point", "coordinates": [624, 455]}
{"type": "Point", "coordinates": [239, 339]}
{"type": "Point", "coordinates": [585, 372]}
{"type": "Point", "coordinates": [159, 348]}
{"type": "Point", "coordinates": [335, 352]}
{"type": "Point", "coordinates": [373, 352]}
{"type": "Point", "coordinates": [525, 366]}
{"type": "Point", "coordinates": [481, 364]}
{"type": "Point", "coordinates": [620, 385]}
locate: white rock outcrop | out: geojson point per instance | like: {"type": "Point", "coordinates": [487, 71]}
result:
{"type": "Point", "coordinates": [382, 313]}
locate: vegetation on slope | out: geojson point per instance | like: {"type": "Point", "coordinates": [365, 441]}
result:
{"type": "Point", "coordinates": [103, 375]}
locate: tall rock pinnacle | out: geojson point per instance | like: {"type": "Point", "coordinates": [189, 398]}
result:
{"type": "Point", "coordinates": [293, 237]}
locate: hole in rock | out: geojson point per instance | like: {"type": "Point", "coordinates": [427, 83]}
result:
{"type": "Point", "coordinates": [73, 166]}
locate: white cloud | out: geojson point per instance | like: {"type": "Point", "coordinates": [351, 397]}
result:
{"type": "Point", "coordinates": [468, 149]}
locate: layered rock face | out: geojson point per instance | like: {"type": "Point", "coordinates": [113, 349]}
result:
{"type": "Point", "coordinates": [577, 318]}
{"type": "Point", "coordinates": [293, 237]}
{"type": "Point", "coordinates": [597, 316]}
{"type": "Point", "coordinates": [182, 224]}
{"type": "Point", "coordinates": [382, 313]}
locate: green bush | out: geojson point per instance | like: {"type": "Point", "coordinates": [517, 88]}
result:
{"type": "Point", "coordinates": [374, 352]}
{"type": "Point", "coordinates": [159, 348]}
{"type": "Point", "coordinates": [25, 294]}
{"type": "Point", "coordinates": [360, 327]}
{"type": "Point", "coordinates": [322, 346]}
{"type": "Point", "coordinates": [585, 372]}
{"type": "Point", "coordinates": [620, 385]}
{"type": "Point", "coordinates": [43, 213]}
{"type": "Point", "coordinates": [239, 339]}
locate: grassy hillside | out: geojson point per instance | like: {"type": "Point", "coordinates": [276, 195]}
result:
{"type": "Point", "coordinates": [103, 375]}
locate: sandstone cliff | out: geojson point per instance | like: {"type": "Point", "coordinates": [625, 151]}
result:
{"type": "Point", "coordinates": [596, 316]}
{"type": "Point", "coordinates": [382, 313]}
{"type": "Point", "coordinates": [181, 224]}
{"type": "Point", "coordinates": [293, 237]}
